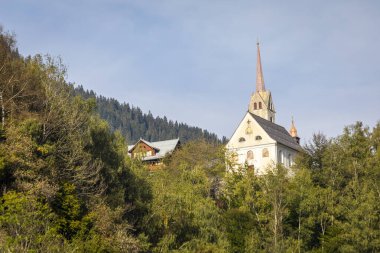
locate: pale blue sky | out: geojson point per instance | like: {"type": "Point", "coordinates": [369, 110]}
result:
{"type": "Point", "coordinates": [195, 61]}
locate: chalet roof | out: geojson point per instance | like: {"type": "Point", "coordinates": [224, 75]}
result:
{"type": "Point", "coordinates": [163, 148]}
{"type": "Point", "coordinates": [132, 147]}
{"type": "Point", "coordinates": [277, 133]}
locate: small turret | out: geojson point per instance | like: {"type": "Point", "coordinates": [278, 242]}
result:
{"type": "Point", "coordinates": [293, 132]}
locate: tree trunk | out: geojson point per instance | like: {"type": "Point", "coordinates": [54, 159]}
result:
{"type": "Point", "coordinates": [275, 230]}
{"type": "Point", "coordinates": [299, 233]}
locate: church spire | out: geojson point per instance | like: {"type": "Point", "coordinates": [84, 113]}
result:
{"type": "Point", "coordinates": [261, 103]}
{"type": "Point", "coordinates": [259, 72]}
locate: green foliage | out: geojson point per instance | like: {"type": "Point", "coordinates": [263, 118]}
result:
{"type": "Point", "coordinates": [27, 225]}
{"type": "Point", "coordinates": [58, 163]}
{"type": "Point", "coordinates": [70, 210]}
{"type": "Point", "coordinates": [185, 216]}
{"type": "Point", "coordinates": [5, 173]}
{"type": "Point", "coordinates": [239, 224]}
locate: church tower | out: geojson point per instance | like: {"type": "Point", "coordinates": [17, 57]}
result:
{"type": "Point", "coordinates": [261, 103]}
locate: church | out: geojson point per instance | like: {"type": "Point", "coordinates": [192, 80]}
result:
{"type": "Point", "coordinates": [258, 142]}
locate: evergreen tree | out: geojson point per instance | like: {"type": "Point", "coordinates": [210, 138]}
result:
{"type": "Point", "coordinates": [134, 124]}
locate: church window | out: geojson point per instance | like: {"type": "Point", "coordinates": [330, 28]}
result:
{"type": "Point", "coordinates": [260, 105]}
{"type": "Point", "coordinates": [265, 152]}
{"type": "Point", "coordinates": [255, 106]}
{"type": "Point", "coordinates": [281, 156]}
{"type": "Point", "coordinates": [248, 130]}
{"type": "Point", "coordinates": [250, 155]}
{"type": "Point", "coordinates": [258, 137]}
{"type": "Point", "coordinates": [241, 139]}
{"type": "Point", "coordinates": [271, 119]}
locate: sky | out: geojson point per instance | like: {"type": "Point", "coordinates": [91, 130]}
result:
{"type": "Point", "coordinates": [195, 61]}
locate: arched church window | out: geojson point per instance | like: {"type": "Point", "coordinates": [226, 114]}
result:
{"type": "Point", "coordinates": [241, 139]}
{"type": "Point", "coordinates": [265, 152]}
{"type": "Point", "coordinates": [255, 106]}
{"type": "Point", "coordinates": [290, 160]}
{"type": "Point", "coordinates": [258, 137]}
{"type": "Point", "coordinates": [281, 157]}
{"type": "Point", "coordinates": [250, 155]}
{"type": "Point", "coordinates": [260, 105]}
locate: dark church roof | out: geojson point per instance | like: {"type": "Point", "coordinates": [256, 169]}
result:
{"type": "Point", "coordinates": [277, 133]}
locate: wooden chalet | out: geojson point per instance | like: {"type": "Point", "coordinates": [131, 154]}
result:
{"type": "Point", "coordinates": [153, 152]}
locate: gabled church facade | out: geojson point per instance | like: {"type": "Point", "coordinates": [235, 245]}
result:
{"type": "Point", "coordinates": [258, 142]}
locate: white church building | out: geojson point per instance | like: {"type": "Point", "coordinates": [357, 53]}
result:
{"type": "Point", "coordinates": [258, 142]}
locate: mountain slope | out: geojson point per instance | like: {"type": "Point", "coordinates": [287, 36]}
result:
{"type": "Point", "coordinates": [134, 124]}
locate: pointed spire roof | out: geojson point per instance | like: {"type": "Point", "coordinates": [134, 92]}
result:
{"type": "Point", "coordinates": [259, 72]}
{"type": "Point", "coordinates": [293, 130]}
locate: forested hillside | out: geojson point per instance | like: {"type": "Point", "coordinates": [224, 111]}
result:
{"type": "Point", "coordinates": [68, 185]}
{"type": "Point", "coordinates": [134, 124]}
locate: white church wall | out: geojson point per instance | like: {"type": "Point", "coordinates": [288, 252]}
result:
{"type": "Point", "coordinates": [276, 153]}
{"type": "Point", "coordinates": [252, 143]}
{"type": "Point", "coordinates": [259, 162]}
{"type": "Point", "coordinates": [285, 155]}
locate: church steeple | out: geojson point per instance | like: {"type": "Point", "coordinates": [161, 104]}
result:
{"type": "Point", "coordinates": [260, 86]}
{"type": "Point", "coordinates": [261, 103]}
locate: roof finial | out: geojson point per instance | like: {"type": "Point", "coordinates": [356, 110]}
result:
{"type": "Point", "coordinates": [259, 71]}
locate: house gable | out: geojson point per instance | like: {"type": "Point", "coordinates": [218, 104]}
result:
{"type": "Point", "coordinates": [153, 152]}
{"type": "Point", "coordinates": [143, 149]}
{"type": "Point", "coordinates": [249, 133]}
